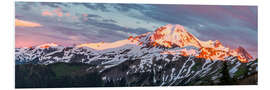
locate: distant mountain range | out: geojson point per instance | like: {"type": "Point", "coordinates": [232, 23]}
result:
{"type": "Point", "coordinates": [169, 56]}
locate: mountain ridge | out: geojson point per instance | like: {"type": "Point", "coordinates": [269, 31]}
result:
{"type": "Point", "coordinates": [154, 58]}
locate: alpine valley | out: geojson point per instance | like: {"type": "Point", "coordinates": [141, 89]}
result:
{"type": "Point", "coordinates": [169, 56]}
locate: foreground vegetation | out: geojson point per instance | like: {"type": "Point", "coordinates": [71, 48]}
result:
{"type": "Point", "coordinates": [55, 75]}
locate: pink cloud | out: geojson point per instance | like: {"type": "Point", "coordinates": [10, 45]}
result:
{"type": "Point", "coordinates": [47, 13]}
{"type": "Point", "coordinates": [74, 37]}
{"type": "Point", "coordinates": [58, 12]}
{"type": "Point", "coordinates": [67, 14]}
{"type": "Point", "coordinates": [23, 23]}
{"type": "Point", "coordinates": [85, 15]}
{"type": "Point", "coordinates": [74, 18]}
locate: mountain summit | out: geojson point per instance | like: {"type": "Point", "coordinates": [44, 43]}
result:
{"type": "Point", "coordinates": [175, 36]}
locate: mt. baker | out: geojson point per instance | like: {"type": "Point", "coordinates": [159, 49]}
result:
{"type": "Point", "coordinates": [168, 56]}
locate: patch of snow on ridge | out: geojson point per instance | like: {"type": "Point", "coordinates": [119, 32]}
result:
{"type": "Point", "coordinates": [234, 69]}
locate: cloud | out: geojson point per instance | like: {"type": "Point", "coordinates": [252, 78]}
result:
{"type": "Point", "coordinates": [93, 15]}
{"type": "Point", "coordinates": [22, 23]}
{"type": "Point", "coordinates": [109, 21]}
{"type": "Point", "coordinates": [74, 37]}
{"type": "Point", "coordinates": [67, 14]}
{"type": "Point", "coordinates": [58, 12]}
{"type": "Point", "coordinates": [46, 13]}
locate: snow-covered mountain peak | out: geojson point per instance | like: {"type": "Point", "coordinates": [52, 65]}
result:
{"type": "Point", "coordinates": [174, 35]}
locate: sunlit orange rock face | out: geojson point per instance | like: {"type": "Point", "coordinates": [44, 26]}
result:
{"type": "Point", "coordinates": [241, 54]}
{"type": "Point", "coordinates": [175, 35]}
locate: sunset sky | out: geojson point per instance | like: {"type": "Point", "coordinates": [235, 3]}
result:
{"type": "Point", "coordinates": [76, 23]}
